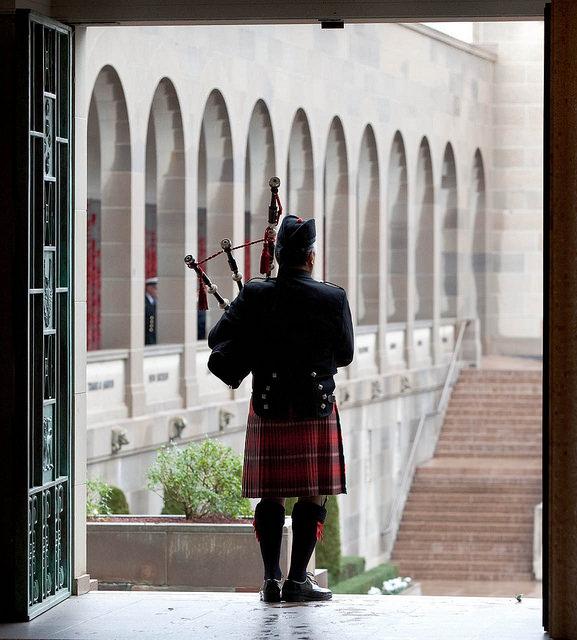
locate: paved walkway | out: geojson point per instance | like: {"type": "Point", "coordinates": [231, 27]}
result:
{"type": "Point", "coordinates": [218, 616]}
{"type": "Point", "coordinates": [484, 589]}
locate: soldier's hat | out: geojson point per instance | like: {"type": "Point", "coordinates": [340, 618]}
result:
{"type": "Point", "coordinates": [295, 237]}
{"type": "Point", "coordinates": [153, 280]}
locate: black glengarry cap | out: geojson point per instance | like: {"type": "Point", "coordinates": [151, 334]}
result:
{"type": "Point", "coordinates": [295, 237]}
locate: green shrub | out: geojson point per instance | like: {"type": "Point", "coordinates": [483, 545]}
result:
{"type": "Point", "coordinates": [172, 508]}
{"type": "Point", "coordinates": [328, 550]}
{"type": "Point", "coordinates": [98, 495]}
{"type": "Point", "coordinates": [362, 583]}
{"type": "Point", "coordinates": [117, 501]}
{"type": "Point", "coordinates": [201, 479]}
{"type": "Point", "coordinates": [351, 566]}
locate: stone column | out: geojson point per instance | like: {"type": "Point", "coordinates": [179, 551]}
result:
{"type": "Point", "coordinates": [561, 373]}
{"type": "Point", "coordinates": [411, 276]}
{"type": "Point", "coordinates": [81, 580]}
{"type": "Point", "coordinates": [436, 278]}
{"type": "Point", "coordinates": [135, 384]}
{"type": "Point", "coordinates": [190, 391]}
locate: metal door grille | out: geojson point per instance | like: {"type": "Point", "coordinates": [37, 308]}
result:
{"type": "Point", "coordinates": [49, 314]}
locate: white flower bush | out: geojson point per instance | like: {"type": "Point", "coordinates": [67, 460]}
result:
{"type": "Point", "coordinates": [391, 587]}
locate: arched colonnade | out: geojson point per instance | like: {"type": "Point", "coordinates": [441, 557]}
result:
{"type": "Point", "coordinates": [393, 237]}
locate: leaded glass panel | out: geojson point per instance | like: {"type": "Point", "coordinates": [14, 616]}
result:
{"type": "Point", "coordinates": [63, 86]}
{"type": "Point", "coordinates": [49, 60]}
{"type": "Point", "coordinates": [50, 213]}
{"type": "Point", "coordinates": [48, 444]}
{"type": "Point", "coordinates": [34, 559]}
{"type": "Point", "coordinates": [48, 290]}
{"type": "Point", "coordinates": [49, 367]}
{"type": "Point", "coordinates": [48, 137]}
{"type": "Point", "coordinates": [50, 388]}
{"type": "Point", "coordinates": [47, 544]}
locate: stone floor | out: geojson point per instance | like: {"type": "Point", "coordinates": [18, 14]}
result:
{"type": "Point", "coordinates": [218, 616]}
{"type": "Point", "coordinates": [484, 589]}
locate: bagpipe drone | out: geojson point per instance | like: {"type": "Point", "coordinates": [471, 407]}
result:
{"type": "Point", "coordinates": [227, 360]}
{"type": "Point", "coordinates": [205, 285]}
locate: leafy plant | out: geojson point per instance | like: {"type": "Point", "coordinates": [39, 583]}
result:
{"type": "Point", "coordinates": [391, 587]}
{"type": "Point", "coordinates": [117, 501]}
{"type": "Point", "coordinates": [351, 566]}
{"type": "Point", "coordinates": [98, 495]}
{"type": "Point", "coordinates": [103, 499]}
{"type": "Point", "coordinates": [202, 479]}
{"type": "Point", "coordinates": [363, 582]}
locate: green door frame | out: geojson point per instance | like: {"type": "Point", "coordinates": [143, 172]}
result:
{"type": "Point", "coordinates": [36, 437]}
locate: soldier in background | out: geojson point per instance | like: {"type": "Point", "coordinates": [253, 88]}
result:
{"type": "Point", "coordinates": [150, 297]}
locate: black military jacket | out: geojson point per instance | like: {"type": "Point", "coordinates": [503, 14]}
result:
{"type": "Point", "coordinates": [292, 332]}
{"type": "Point", "coordinates": [149, 321]}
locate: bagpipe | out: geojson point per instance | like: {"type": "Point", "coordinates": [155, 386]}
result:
{"type": "Point", "coordinates": [205, 285]}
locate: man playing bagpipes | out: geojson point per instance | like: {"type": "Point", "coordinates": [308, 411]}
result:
{"type": "Point", "coordinates": [291, 332]}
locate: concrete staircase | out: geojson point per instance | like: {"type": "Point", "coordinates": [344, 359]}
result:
{"type": "Point", "coordinates": [469, 515]}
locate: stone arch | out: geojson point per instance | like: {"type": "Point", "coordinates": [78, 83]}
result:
{"type": "Point", "coordinates": [425, 245]}
{"type": "Point", "coordinates": [397, 211]}
{"type": "Point", "coordinates": [108, 209]}
{"type": "Point", "coordinates": [165, 210]}
{"type": "Point", "coordinates": [478, 256]}
{"type": "Point", "coordinates": [215, 198]}
{"type": "Point", "coordinates": [300, 168]}
{"type": "Point", "coordinates": [449, 219]}
{"type": "Point", "coordinates": [336, 206]}
{"type": "Point", "coordinates": [368, 214]}
{"type": "Point", "coordinates": [259, 168]}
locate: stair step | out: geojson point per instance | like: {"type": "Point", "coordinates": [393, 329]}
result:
{"type": "Point", "coordinates": [472, 392]}
{"type": "Point", "coordinates": [468, 517]}
{"type": "Point", "coordinates": [469, 514]}
{"type": "Point", "coordinates": [481, 421]}
{"type": "Point", "coordinates": [465, 536]}
{"type": "Point", "coordinates": [470, 507]}
{"type": "Point", "coordinates": [512, 375]}
{"type": "Point", "coordinates": [463, 527]}
{"type": "Point", "coordinates": [492, 413]}
{"type": "Point", "coordinates": [499, 389]}
{"type": "Point", "coordinates": [418, 556]}
{"type": "Point", "coordinates": [481, 454]}
{"type": "Point", "coordinates": [438, 573]}
{"type": "Point", "coordinates": [450, 547]}
{"type": "Point", "coordinates": [513, 432]}
{"type": "Point", "coordinates": [505, 401]}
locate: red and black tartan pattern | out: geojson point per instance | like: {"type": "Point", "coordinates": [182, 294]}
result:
{"type": "Point", "coordinates": [293, 458]}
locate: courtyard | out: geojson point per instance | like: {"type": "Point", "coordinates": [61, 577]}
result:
{"type": "Point", "coordinates": [219, 616]}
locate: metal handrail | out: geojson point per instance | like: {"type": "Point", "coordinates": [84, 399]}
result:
{"type": "Point", "coordinates": [409, 471]}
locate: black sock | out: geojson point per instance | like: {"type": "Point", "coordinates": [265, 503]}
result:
{"type": "Point", "coordinates": [306, 518]}
{"type": "Point", "coordinates": [268, 524]}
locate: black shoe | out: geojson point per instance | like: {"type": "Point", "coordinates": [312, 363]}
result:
{"type": "Point", "coordinates": [293, 591]}
{"type": "Point", "coordinates": [270, 591]}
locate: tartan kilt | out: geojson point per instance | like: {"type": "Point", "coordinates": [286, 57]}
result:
{"type": "Point", "coordinates": [286, 457]}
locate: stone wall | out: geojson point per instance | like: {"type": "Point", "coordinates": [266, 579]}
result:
{"type": "Point", "coordinates": [514, 259]}
{"type": "Point", "coordinates": [383, 133]}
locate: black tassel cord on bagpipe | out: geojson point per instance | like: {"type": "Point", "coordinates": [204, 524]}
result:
{"type": "Point", "coordinates": [205, 285]}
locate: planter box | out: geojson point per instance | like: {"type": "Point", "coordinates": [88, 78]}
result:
{"type": "Point", "coordinates": [179, 556]}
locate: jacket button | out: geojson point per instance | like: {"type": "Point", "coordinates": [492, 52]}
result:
{"type": "Point", "coordinates": [263, 396]}
{"type": "Point", "coordinates": [267, 388]}
{"type": "Point", "coordinates": [265, 406]}
{"type": "Point", "coordinates": [324, 396]}
{"type": "Point", "coordinates": [320, 387]}
{"type": "Point", "coordinates": [323, 406]}
{"type": "Point", "coordinates": [274, 375]}
{"type": "Point", "coordinates": [313, 374]}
